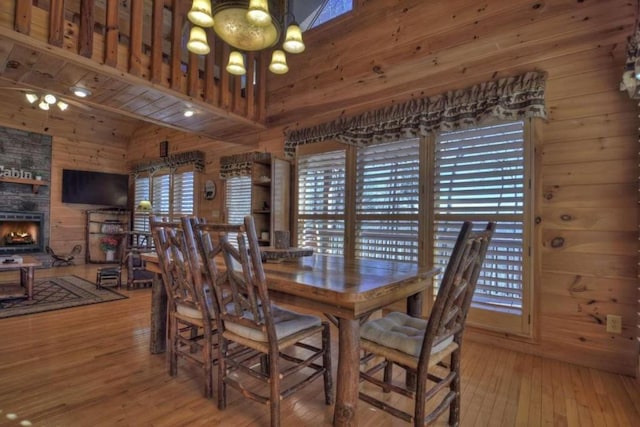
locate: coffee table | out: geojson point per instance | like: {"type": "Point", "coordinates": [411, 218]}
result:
{"type": "Point", "coordinates": [26, 268]}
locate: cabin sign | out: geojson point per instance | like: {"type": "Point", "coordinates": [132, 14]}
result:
{"type": "Point", "coordinates": [14, 173]}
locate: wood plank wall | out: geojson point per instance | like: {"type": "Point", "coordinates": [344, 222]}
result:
{"type": "Point", "coordinates": [81, 140]}
{"type": "Point", "coordinates": [586, 177]}
{"type": "Point", "coordinates": [586, 185]}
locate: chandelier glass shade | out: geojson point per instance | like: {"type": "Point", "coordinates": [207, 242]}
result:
{"type": "Point", "coordinates": [247, 26]}
{"type": "Point", "coordinates": [198, 41]}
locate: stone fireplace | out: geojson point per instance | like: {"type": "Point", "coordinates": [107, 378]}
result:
{"type": "Point", "coordinates": [24, 210]}
{"type": "Point", "coordinates": [21, 232]}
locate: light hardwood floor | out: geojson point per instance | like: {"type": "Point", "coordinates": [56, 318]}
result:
{"type": "Point", "coordinates": [91, 366]}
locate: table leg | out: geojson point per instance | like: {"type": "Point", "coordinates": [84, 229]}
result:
{"type": "Point", "coordinates": [348, 377]}
{"type": "Point", "coordinates": [26, 281]}
{"type": "Point", "coordinates": [158, 328]}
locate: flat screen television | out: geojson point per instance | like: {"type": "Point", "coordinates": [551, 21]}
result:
{"type": "Point", "coordinates": [95, 188]}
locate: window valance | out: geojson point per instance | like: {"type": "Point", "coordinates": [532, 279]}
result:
{"type": "Point", "coordinates": [632, 65]}
{"type": "Point", "coordinates": [240, 164]}
{"type": "Point", "coordinates": [509, 98]}
{"type": "Point", "coordinates": [195, 158]}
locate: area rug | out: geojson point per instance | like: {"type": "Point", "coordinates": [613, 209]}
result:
{"type": "Point", "coordinates": [56, 293]}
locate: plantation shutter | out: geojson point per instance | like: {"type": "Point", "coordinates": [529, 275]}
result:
{"type": "Point", "coordinates": [238, 198]}
{"type": "Point", "coordinates": [480, 176]}
{"type": "Point", "coordinates": [321, 202]}
{"type": "Point", "coordinates": [161, 196]}
{"type": "Point", "coordinates": [141, 192]}
{"type": "Point", "coordinates": [183, 194]}
{"type": "Point", "coordinates": [387, 201]}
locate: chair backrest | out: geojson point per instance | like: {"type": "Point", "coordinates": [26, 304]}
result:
{"type": "Point", "coordinates": [173, 256]}
{"type": "Point", "coordinates": [237, 275]}
{"type": "Point", "coordinates": [456, 290]}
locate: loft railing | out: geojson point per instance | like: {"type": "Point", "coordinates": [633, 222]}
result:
{"type": "Point", "coordinates": [146, 39]}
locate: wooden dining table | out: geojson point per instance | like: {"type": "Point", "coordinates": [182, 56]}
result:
{"type": "Point", "coordinates": [346, 291]}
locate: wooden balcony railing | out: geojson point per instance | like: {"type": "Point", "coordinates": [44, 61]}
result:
{"type": "Point", "coordinates": [146, 39]}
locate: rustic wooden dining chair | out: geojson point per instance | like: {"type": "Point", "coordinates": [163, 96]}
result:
{"type": "Point", "coordinates": [254, 330]}
{"type": "Point", "coordinates": [192, 330]}
{"type": "Point", "coordinates": [418, 345]}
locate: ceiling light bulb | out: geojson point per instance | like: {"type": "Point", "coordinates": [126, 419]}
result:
{"type": "Point", "coordinates": [62, 105]}
{"type": "Point", "coordinates": [278, 63]}
{"type": "Point", "coordinates": [189, 113]}
{"type": "Point", "coordinates": [44, 105]}
{"type": "Point", "coordinates": [258, 13]}
{"type": "Point", "coordinates": [198, 41]}
{"type": "Point", "coordinates": [80, 92]}
{"type": "Point", "coordinates": [293, 41]}
{"type": "Point", "coordinates": [50, 99]}
{"type": "Point", "coordinates": [236, 64]}
{"type": "Point", "coordinates": [200, 13]}
{"type": "Point", "coordinates": [31, 97]}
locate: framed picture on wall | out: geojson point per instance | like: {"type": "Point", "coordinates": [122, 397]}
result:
{"type": "Point", "coordinates": [164, 148]}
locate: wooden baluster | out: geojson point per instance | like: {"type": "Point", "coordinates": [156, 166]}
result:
{"type": "Point", "coordinates": [22, 23]}
{"type": "Point", "coordinates": [85, 34]}
{"type": "Point", "coordinates": [250, 110]}
{"type": "Point", "coordinates": [112, 34]}
{"type": "Point", "coordinates": [56, 22]}
{"type": "Point", "coordinates": [156, 41]}
{"type": "Point", "coordinates": [210, 91]}
{"type": "Point", "coordinates": [176, 45]}
{"type": "Point", "coordinates": [135, 41]}
{"type": "Point", "coordinates": [225, 101]}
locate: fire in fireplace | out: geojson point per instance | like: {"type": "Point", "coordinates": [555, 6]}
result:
{"type": "Point", "coordinates": [20, 232]}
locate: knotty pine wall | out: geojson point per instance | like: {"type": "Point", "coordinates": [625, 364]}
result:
{"type": "Point", "coordinates": [81, 140]}
{"type": "Point", "coordinates": [586, 151]}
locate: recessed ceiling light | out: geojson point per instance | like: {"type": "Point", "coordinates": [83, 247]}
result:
{"type": "Point", "coordinates": [80, 92]}
{"type": "Point", "coordinates": [189, 113]}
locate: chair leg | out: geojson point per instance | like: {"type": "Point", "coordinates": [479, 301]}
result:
{"type": "Point", "coordinates": [326, 363]}
{"type": "Point", "coordinates": [208, 367]}
{"type": "Point", "coordinates": [173, 345]}
{"type": "Point", "coordinates": [454, 409]}
{"type": "Point", "coordinates": [388, 375]}
{"type": "Point", "coordinates": [222, 386]}
{"type": "Point", "coordinates": [274, 398]}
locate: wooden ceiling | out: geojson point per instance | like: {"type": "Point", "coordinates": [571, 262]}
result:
{"type": "Point", "coordinates": [27, 63]}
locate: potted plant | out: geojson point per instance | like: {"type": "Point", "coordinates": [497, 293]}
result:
{"type": "Point", "coordinates": [109, 244]}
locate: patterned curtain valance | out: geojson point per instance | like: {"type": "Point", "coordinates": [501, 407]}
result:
{"type": "Point", "coordinates": [240, 164]}
{"type": "Point", "coordinates": [632, 65]}
{"type": "Point", "coordinates": [508, 98]}
{"type": "Point", "coordinates": [195, 158]}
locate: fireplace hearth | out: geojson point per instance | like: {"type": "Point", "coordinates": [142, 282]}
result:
{"type": "Point", "coordinates": [21, 232]}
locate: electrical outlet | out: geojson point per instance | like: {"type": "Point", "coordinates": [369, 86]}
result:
{"type": "Point", "coordinates": [614, 324]}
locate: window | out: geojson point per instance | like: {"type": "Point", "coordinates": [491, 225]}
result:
{"type": "Point", "coordinates": [321, 196]}
{"type": "Point", "coordinates": [387, 200]}
{"type": "Point", "coordinates": [480, 176]}
{"type": "Point", "coordinates": [237, 201]}
{"type": "Point", "coordinates": [238, 198]}
{"type": "Point", "coordinates": [311, 13]}
{"type": "Point", "coordinates": [171, 195]}
{"type": "Point", "coordinates": [409, 198]}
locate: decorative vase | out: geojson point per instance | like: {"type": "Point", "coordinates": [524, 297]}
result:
{"type": "Point", "coordinates": [111, 255]}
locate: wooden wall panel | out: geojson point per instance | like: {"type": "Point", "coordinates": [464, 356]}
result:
{"type": "Point", "coordinates": [80, 141]}
{"type": "Point", "coordinates": [586, 187]}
